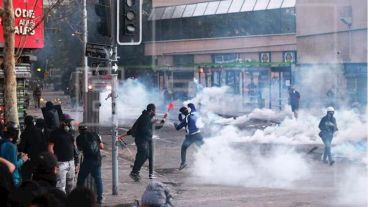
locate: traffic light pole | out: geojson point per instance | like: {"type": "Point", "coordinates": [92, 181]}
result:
{"type": "Point", "coordinates": [85, 65]}
{"type": "Point", "coordinates": [114, 84]}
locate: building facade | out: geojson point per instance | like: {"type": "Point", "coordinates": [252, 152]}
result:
{"type": "Point", "coordinates": [256, 47]}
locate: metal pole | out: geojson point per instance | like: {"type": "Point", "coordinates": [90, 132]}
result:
{"type": "Point", "coordinates": [85, 63]}
{"type": "Point", "coordinates": [114, 79]}
{"type": "Point", "coordinates": [114, 132]}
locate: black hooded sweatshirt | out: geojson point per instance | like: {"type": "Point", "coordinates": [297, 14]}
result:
{"type": "Point", "coordinates": [142, 129]}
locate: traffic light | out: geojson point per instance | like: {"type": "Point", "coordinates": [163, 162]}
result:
{"type": "Point", "coordinates": [129, 22]}
{"type": "Point", "coordinates": [103, 11]}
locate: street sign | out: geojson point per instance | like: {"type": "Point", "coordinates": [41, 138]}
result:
{"type": "Point", "coordinates": [98, 51]}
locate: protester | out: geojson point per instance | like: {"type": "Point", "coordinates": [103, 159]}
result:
{"type": "Point", "coordinates": [6, 180]}
{"type": "Point", "coordinates": [90, 144]}
{"type": "Point", "coordinates": [81, 197]}
{"type": "Point", "coordinates": [142, 130]}
{"type": "Point", "coordinates": [9, 151]}
{"type": "Point", "coordinates": [61, 143]}
{"type": "Point", "coordinates": [37, 96]}
{"type": "Point", "coordinates": [32, 143]}
{"type": "Point", "coordinates": [193, 134]}
{"type": "Point", "coordinates": [51, 117]}
{"type": "Point", "coordinates": [328, 127]}
{"type": "Point", "coordinates": [156, 195]}
{"type": "Point", "coordinates": [41, 190]}
{"type": "Point", "coordinates": [294, 99]}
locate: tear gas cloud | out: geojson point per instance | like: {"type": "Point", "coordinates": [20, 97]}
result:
{"type": "Point", "coordinates": [133, 97]}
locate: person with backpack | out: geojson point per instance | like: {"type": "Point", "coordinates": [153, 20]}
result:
{"type": "Point", "coordinates": [189, 121]}
{"type": "Point", "coordinates": [9, 151]}
{"type": "Point", "coordinates": [90, 144]}
{"type": "Point", "coordinates": [52, 120]}
{"type": "Point", "coordinates": [142, 130]}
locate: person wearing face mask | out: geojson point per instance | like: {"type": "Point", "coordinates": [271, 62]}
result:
{"type": "Point", "coordinates": [328, 127]}
{"type": "Point", "coordinates": [61, 144]}
{"type": "Point", "coordinates": [32, 142]}
{"type": "Point", "coordinates": [9, 151]}
{"type": "Point", "coordinates": [193, 133]}
{"type": "Point", "coordinates": [142, 130]}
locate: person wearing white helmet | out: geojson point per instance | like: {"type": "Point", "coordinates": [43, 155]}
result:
{"type": "Point", "coordinates": [328, 127]}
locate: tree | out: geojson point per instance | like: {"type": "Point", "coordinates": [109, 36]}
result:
{"type": "Point", "coordinates": [10, 81]}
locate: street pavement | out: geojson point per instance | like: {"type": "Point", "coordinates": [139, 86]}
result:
{"type": "Point", "coordinates": [319, 190]}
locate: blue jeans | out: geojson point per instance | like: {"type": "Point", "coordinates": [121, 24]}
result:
{"type": "Point", "coordinates": [189, 140]}
{"type": "Point", "coordinates": [327, 139]}
{"type": "Point", "coordinates": [93, 167]}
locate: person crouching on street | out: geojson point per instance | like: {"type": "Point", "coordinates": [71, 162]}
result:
{"type": "Point", "coordinates": [142, 130]}
{"type": "Point", "coordinates": [193, 134]}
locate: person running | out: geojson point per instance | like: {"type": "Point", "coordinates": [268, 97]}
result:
{"type": "Point", "coordinates": [193, 133]}
{"type": "Point", "coordinates": [328, 127]}
{"type": "Point", "coordinates": [142, 130]}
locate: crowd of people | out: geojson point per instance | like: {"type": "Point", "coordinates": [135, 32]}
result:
{"type": "Point", "coordinates": [43, 169]}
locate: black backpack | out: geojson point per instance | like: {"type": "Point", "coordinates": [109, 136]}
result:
{"type": "Point", "coordinates": [91, 147]}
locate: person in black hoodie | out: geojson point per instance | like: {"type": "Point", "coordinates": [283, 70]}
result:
{"type": "Point", "coordinates": [142, 130]}
{"type": "Point", "coordinates": [32, 143]}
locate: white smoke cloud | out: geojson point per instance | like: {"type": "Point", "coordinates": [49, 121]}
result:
{"type": "Point", "coordinates": [353, 187]}
{"type": "Point", "coordinates": [133, 97]}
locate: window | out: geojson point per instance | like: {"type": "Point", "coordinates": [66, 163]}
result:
{"type": "Point", "coordinates": [223, 7]}
{"type": "Point", "coordinates": [179, 10]}
{"type": "Point", "coordinates": [183, 60]}
{"type": "Point", "coordinates": [201, 7]}
{"type": "Point", "coordinates": [288, 3]}
{"type": "Point", "coordinates": [168, 12]}
{"type": "Point", "coordinates": [236, 5]}
{"type": "Point", "coordinates": [189, 10]}
{"type": "Point", "coordinates": [156, 13]}
{"type": "Point", "coordinates": [261, 5]}
{"type": "Point", "coordinates": [248, 5]}
{"type": "Point", "coordinates": [274, 4]}
{"type": "Point", "coordinates": [212, 8]}
{"type": "Point", "coordinates": [225, 58]}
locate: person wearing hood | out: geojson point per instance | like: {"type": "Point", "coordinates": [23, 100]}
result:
{"type": "Point", "coordinates": [51, 117]}
{"type": "Point", "coordinates": [32, 142]}
{"type": "Point", "coordinates": [328, 127]}
{"type": "Point", "coordinates": [142, 130]}
{"type": "Point", "coordinates": [9, 151]}
{"type": "Point", "coordinates": [193, 134]}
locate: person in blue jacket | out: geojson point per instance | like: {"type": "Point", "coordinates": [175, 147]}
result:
{"type": "Point", "coordinates": [9, 151]}
{"type": "Point", "coordinates": [193, 134]}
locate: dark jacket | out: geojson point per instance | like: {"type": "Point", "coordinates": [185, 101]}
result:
{"type": "Point", "coordinates": [142, 129]}
{"type": "Point", "coordinates": [294, 98]}
{"type": "Point", "coordinates": [33, 142]}
{"type": "Point", "coordinates": [328, 125]}
{"type": "Point", "coordinates": [52, 119]}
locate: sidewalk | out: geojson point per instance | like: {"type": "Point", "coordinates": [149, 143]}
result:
{"type": "Point", "coordinates": [128, 190]}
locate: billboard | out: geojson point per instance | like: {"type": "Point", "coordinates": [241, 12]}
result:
{"type": "Point", "coordinates": [28, 15]}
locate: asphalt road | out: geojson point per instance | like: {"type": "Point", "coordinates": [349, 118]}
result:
{"type": "Point", "coordinates": [325, 186]}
